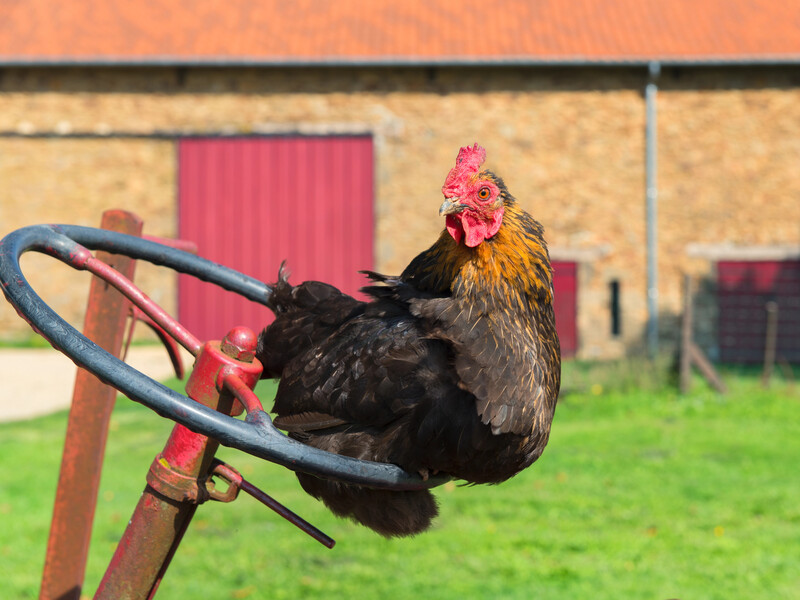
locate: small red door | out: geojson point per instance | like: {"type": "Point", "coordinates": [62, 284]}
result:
{"type": "Point", "coordinates": [250, 203]}
{"type": "Point", "coordinates": [565, 286]}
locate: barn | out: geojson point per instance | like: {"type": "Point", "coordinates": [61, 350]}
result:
{"type": "Point", "coordinates": [651, 139]}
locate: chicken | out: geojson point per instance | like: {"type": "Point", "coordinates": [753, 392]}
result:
{"type": "Point", "coordinates": [452, 368]}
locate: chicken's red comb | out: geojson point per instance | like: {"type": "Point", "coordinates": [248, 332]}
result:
{"type": "Point", "coordinates": [469, 160]}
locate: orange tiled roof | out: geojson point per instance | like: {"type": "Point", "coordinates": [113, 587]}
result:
{"type": "Point", "coordinates": [403, 31]}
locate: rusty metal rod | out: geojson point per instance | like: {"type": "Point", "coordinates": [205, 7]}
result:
{"type": "Point", "coordinates": [87, 431]}
{"type": "Point", "coordinates": [287, 514]}
{"type": "Point", "coordinates": [182, 335]}
{"type": "Point", "coordinates": [234, 478]}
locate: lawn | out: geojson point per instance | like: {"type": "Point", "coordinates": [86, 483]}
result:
{"type": "Point", "coordinates": [642, 493]}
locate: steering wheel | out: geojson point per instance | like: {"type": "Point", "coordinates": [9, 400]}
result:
{"type": "Point", "coordinates": [255, 434]}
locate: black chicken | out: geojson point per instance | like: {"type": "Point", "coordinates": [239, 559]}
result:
{"type": "Point", "coordinates": [452, 368]}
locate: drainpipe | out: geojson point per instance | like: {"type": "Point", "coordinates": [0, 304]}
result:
{"type": "Point", "coordinates": [654, 69]}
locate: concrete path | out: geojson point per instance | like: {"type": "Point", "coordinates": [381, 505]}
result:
{"type": "Point", "coordinates": [35, 382]}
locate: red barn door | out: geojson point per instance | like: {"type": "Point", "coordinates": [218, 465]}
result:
{"type": "Point", "coordinates": [743, 290]}
{"type": "Point", "coordinates": [565, 286]}
{"type": "Point", "coordinates": [250, 203]}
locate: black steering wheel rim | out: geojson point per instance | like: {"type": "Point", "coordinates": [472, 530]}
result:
{"type": "Point", "coordinates": [255, 435]}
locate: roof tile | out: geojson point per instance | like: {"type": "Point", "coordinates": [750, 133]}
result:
{"type": "Point", "coordinates": [316, 31]}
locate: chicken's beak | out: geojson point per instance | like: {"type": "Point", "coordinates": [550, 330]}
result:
{"type": "Point", "coordinates": [450, 206]}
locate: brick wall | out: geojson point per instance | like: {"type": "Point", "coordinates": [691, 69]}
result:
{"type": "Point", "coordinates": [568, 142]}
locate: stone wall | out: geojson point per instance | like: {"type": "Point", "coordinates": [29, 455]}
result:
{"type": "Point", "coordinates": [568, 142]}
{"type": "Point", "coordinates": [729, 176]}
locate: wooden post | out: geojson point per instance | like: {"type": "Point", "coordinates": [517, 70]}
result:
{"type": "Point", "coordinates": [686, 337]}
{"type": "Point", "coordinates": [690, 353]}
{"type": "Point", "coordinates": [770, 342]}
{"type": "Point", "coordinates": [706, 368]}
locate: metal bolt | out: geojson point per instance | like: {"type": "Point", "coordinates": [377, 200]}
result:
{"type": "Point", "coordinates": [240, 343]}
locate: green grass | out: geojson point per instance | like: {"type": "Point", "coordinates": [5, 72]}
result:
{"type": "Point", "coordinates": [35, 341]}
{"type": "Point", "coordinates": [30, 340]}
{"type": "Point", "coordinates": [641, 493]}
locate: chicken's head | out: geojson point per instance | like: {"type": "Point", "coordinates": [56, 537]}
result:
{"type": "Point", "coordinates": [473, 203]}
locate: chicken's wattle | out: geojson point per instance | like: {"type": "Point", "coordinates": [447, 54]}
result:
{"type": "Point", "coordinates": [472, 227]}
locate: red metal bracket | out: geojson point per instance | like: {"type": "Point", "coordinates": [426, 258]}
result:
{"type": "Point", "coordinates": [176, 480]}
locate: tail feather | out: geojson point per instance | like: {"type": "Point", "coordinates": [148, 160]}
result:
{"type": "Point", "coordinates": [389, 513]}
{"type": "Point", "coordinates": [277, 296]}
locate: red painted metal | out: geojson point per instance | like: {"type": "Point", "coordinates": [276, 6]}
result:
{"type": "Point", "coordinates": [565, 285]}
{"type": "Point", "coordinates": [175, 329]}
{"type": "Point", "coordinates": [212, 366]}
{"type": "Point", "coordinates": [743, 290]}
{"type": "Point", "coordinates": [177, 479]}
{"type": "Point", "coordinates": [185, 245]}
{"type": "Point", "coordinates": [137, 315]}
{"type": "Point", "coordinates": [239, 390]}
{"type": "Point", "coordinates": [87, 430]}
{"type": "Point", "coordinates": [250, 203]}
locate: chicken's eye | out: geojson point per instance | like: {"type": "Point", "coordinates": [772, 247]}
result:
{"type": "Point", "coordinates": [484, 193]}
